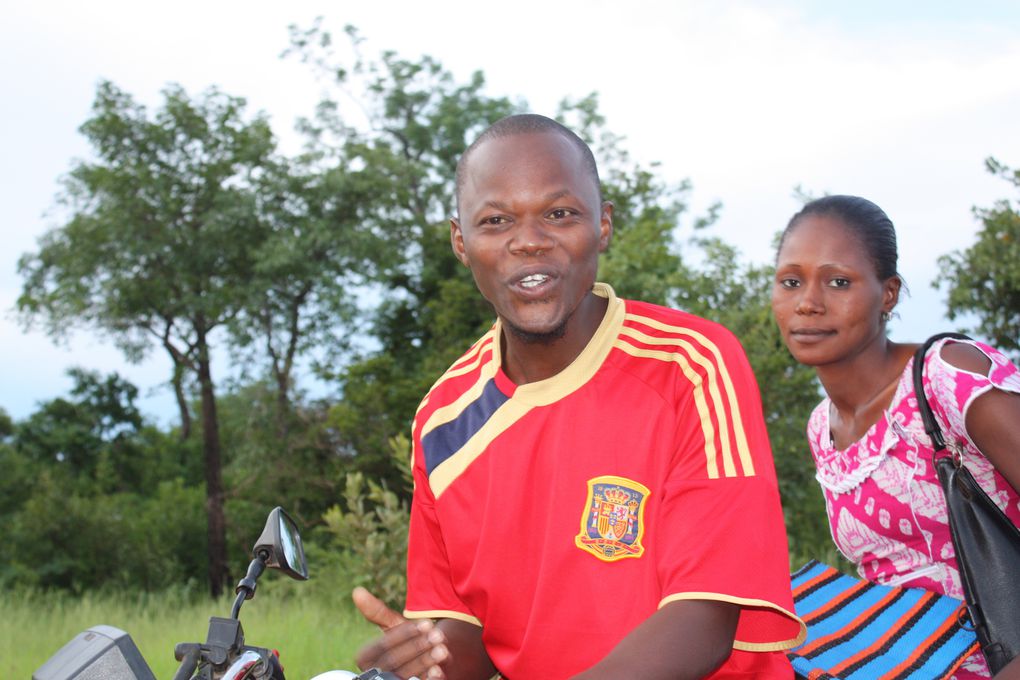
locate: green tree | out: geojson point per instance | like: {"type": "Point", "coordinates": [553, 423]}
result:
{"type": "Point", "coordinates": [430, 311]}
{"type": "Point", "coordinates": [303, 472]}
{"type": "Point", "coordinates": [984, 279]}
{"type": "Point", "coordinates": [159, 246]}
{"type": "Point", "coordinates": [739, 297]}
{"type": "Point", "coordinates": [87, 487]}
{"type": "Point", "coordinates": [96, 434]}
{"type": "Point", "coordinates": [318, 253]}
{"type": "Point", "coordinates": [19, 471]}
{"type": "Point", "coordinates": [424, 308]}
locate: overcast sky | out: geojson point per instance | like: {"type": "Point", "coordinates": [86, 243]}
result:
{"type": "Point", "coordinates": [897, 102]}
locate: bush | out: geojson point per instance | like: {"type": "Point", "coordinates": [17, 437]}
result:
{"type": "Point", "coordinates": [366, 543]}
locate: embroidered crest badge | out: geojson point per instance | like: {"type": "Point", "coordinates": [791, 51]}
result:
{"type": "Point", "coordinates": [612, 523]}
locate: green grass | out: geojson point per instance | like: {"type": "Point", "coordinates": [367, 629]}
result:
{"type": "Point", "coordinates": [313, 634]}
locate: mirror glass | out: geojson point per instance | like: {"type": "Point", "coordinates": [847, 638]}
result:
{"type": "Point", "coordinates": [293, 551]}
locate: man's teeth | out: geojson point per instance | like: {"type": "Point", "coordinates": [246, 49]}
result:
{"type": "Point", "coordinates": [533, 280]}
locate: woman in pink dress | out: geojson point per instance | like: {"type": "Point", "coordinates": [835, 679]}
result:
{"type": "Point", "coordinates": [836, 285]}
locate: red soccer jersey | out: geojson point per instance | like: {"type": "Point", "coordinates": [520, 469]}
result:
{"type": "Point", "coordinates": [559, 515]}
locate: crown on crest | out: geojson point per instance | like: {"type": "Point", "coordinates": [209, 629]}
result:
{"type": "Point", "coordinates": [616, 495]}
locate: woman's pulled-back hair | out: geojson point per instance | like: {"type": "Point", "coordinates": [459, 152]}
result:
{"type": "Point", "coordinates": [872, 226]}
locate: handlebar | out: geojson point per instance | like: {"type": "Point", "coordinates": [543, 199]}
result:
{"type": "Point", "coordinates": [188, 654]}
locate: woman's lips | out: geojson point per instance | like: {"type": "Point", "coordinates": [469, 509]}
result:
{"type": "Point", "coordinates": [810, 336]}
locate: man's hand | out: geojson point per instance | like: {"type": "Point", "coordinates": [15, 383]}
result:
{"type": "Point", "coordinates": [407, 648]}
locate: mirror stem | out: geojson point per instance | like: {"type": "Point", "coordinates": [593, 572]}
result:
{"type": "Point", "coordinates": [246, 587]}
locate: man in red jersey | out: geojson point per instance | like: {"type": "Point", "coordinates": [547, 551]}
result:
{"type": "Point", "coordinates": [594, 489]}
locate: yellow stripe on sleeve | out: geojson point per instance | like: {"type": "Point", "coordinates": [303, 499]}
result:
{"type": "Point", "coordinates": [442, 614]}
{"type": "Point", "coordinates": [707, 429]}
{"type": "Point", "coordinates": [773, 646]}
{"type": "Point", "coordinates": [715, 370]}
{"type": "Point", "coordinates": [445, 414]}
{"type": "Point", "coordinates": [479, 351]}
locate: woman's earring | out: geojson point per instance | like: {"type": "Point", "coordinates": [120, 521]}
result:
{"type": "Point", "coordinates": [885, 315]}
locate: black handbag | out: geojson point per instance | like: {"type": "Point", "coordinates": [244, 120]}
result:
{"type": "Point", "coordinates": [986, 542]}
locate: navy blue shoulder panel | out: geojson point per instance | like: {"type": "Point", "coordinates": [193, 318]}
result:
{"type": "Point", "coordinates": [448, 438]}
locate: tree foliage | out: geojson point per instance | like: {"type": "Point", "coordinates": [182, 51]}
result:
{"type": "Point", "coordinates": [87, 488]}
{"type": "Point", "coordinates": [984, 279]}
{"type": "Point", "coordinates": [189, 229]}
{"type": "Point", "coordinates": [159, 246]}
{"type": "Point", "coordinates": [423, 307]}
{"type": "Point", "coordinates": [428, 309]}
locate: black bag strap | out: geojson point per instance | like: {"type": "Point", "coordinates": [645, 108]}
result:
{"type": "Point", "coordinates": [930, 424]}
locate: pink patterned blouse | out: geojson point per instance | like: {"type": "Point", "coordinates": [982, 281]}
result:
{"type": "Point", "coordinates": [885, 506]}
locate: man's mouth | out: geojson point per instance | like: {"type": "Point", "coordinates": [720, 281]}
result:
{"type": "Point", "coordinates": [533, 280]}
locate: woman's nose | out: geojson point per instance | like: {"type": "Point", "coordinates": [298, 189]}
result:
{"type": "Point", "coordinates": [809, 301]}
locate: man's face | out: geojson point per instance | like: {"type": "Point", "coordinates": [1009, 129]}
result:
{"type": "Point", "coordinates": [531, 227]}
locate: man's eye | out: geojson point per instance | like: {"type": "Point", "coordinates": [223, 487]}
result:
{"type": "Point", "coordinates": [839, 282]}
{"type": "Point", "coordinates": [495, 220]}
{"type": "Point", "coordinates": [560, 213]}
{"type": "Point", "coordinates": [789, 283]}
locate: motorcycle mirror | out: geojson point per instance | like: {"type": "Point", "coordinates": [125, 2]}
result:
{"type": "Point", "coordinates": [280, 545]}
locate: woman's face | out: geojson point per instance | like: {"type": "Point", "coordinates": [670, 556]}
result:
{"type": "Point", "coordinates": [827, 297]}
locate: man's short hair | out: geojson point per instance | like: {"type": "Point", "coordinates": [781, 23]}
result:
{"type": "Point", "coordinates": [522, 124]}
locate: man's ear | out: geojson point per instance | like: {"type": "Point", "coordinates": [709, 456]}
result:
{"type": "Point", "coordinates": [605, 226]}
{"type": "Point", "coordinates": [457, 241]}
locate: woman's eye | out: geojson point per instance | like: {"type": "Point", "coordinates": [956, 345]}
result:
{"type": "Point", "coordinates": [839, 282]}
{"type": "Point", "coordinates": [789, 283]}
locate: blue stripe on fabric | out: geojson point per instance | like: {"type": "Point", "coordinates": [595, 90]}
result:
{"type": "Point", "coordinates": [940, 654]}
{"type": "Point", "coordinates": [448, 438]}
{"type": "Point", "coordinates": [936, 665]}
{"type": "Point", "coordinates": [846, 613]}
{"type": "Point", "coordinates": [895, 653]}
{"type": "Point", "coordinates": [945, 656]}
{"type": "Point", "coordinates": [808, 572]}
{"type": "Point", "coordinates": [879, 626]}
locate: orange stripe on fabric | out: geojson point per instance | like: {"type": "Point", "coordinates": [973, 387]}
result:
{"type": "Point", "coordinates": [927, 643]}
{"type": "Point", "coordinates": [884, 638]}
{"type": "Point", "coordinates": [974, 648]}
{"type": "Point", "coordinates": [835, 602]}
{"type": "Point", "coordinates": [827, 574]}
{"type": "Point", "coordinates": [807, 649]}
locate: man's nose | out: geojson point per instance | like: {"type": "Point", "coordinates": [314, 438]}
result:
{"type": "Point", "coordinates": [532, 237]}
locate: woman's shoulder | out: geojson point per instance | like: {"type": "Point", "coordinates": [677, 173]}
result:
{"type": "Point", "coordinates": [957, 372]}
{"type": "Point", "coordinates": [966, 356]}
{"type": "Point", "coordinates": [954, 356]}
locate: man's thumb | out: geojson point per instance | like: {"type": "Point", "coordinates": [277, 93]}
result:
{"type": "Point", "coordinates": [375, 610]}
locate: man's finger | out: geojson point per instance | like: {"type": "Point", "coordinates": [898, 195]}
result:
{"type": "Point", "coordinates": [375, 610]}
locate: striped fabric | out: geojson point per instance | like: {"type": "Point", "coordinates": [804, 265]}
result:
{"type": "Point", "coordinates": [858, 630]}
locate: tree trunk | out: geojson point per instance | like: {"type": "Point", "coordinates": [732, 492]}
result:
{"type": "Point", "coordinates": [182, 401]}
{"type": "Point", "coordinates": [217, 526]}
{"type": "Point", "coordinates": [282, 406]}
{"type": "Point", "coordinates": [180, 364]}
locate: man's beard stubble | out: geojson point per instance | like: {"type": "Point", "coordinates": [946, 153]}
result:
{"type": "Point", "coordinates": [546, 338]}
